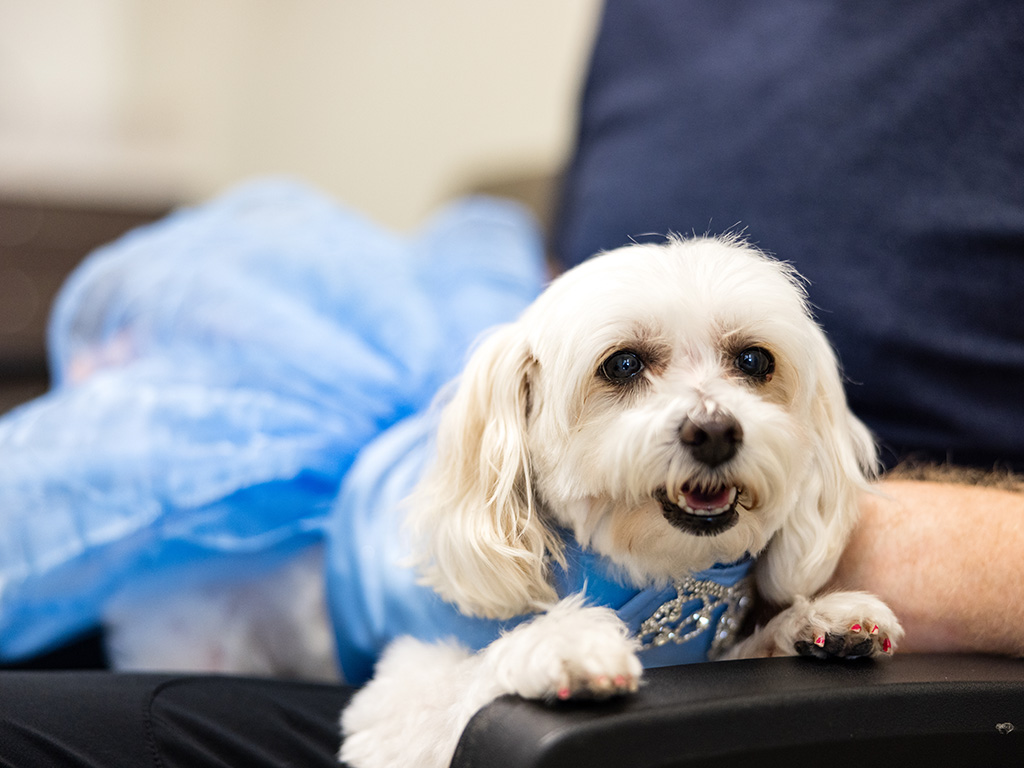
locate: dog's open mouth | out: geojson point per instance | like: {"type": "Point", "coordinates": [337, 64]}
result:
{"type": "Point", "coordinates": [701, 511]}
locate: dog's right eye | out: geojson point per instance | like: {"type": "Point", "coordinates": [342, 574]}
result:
{"type": "Point", "coordinates": [622, 367]}
{"type": "Point", "coordinates": [757, 363]}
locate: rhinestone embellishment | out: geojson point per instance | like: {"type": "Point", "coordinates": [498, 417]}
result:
{"type": "Point", "coordinates": [668, 623]}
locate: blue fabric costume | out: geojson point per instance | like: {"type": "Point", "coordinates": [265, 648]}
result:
{"type": "Point", "coordinates": [374, 596]}
{"type": "Point", "coordinates": [215, 375]}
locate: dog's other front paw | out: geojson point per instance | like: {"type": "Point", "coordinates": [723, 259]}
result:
{"type": "Point", "coordinates": [841, 625]}
{"type": "Point", "coordinates": [573, 651]}
{"type": "Point", "coordinates": [855, 643]}
{"type": "Point", "coordinates": [845, 625]}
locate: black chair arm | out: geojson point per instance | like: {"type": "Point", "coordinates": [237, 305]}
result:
{"type": "Point", "coordinates": [953, 710]}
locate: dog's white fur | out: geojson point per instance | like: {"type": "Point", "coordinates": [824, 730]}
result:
{"type": "Point", "coordinates": [536, 437]}
{"type": "Point", "coordinates": [240, 616]}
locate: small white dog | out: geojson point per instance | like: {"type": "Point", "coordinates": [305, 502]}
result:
{"type": "Point", "coordinates": [670, 407]}
{"type": "Point", "coordinates": [658, 410]}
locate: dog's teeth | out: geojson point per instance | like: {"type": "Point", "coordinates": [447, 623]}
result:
{"type": "Point", "coordinates": [709, 511]}
{"type": "Point", "coordinates": [705, 512]}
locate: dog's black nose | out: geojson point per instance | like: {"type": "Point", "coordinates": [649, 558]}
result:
{"type": "Point", "coordinates": [713, 440]}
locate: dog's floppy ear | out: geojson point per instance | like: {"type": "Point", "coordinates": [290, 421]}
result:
{"type": "Point", "coordinates": [474, 514]}
{"type": "Point", "coordinates": [805, 551]}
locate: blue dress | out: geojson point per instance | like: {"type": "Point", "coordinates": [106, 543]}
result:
{"type": "Point", "coordinates": [374, 597]}
{"type": "Point", "coordinates": [216, 374]}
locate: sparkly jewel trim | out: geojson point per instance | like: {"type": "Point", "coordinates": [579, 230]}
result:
{"type": "Point", "coordinates": [668, 624]}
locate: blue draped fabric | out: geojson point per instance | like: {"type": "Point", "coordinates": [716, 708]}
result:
{"type": "Point", "coordinates": [216, 374]}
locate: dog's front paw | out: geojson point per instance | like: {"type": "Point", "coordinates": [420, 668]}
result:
{"type": "Point", "coordinates": [572, 651]}
{"type": "Point", "coordinates": [842, 625]}
{"type": "Point", "coordinates": [845, 625]}
{"type": "Point", "coordinates": [853, 643]}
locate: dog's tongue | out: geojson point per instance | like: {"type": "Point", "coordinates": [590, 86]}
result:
{"type": "Point", "coordinates": [700, 501]}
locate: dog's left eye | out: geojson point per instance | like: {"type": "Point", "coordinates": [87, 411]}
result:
{"type": "Point", "coordinates": [756, 362]}
{"type": "Point", "coordinates": [622, 367]}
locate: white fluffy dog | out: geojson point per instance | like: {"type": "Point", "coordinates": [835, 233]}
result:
{"type": "Point", "coordinates": [663, 408]}
{"type": "Point", "coordinates": [672, 406]}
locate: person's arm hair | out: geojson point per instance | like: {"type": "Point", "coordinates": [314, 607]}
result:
{"type": "Point", "coordinates": [948, 557]}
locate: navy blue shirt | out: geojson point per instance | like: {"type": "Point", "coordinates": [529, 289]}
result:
{"type": "Point", "coordinates": [879, 146]}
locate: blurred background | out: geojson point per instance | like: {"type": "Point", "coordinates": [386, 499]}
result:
{"type": "Point", "coordinates": [112, 112]}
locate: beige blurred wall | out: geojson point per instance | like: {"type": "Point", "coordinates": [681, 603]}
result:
{"type": "Point", "coordinates": [393, 106]}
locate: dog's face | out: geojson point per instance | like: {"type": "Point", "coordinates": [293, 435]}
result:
{"type": "Point", "coordinates": [673, 406]}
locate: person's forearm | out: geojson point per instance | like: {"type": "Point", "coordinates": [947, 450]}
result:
{"type": "Point", "coordinates": [949, 560]}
